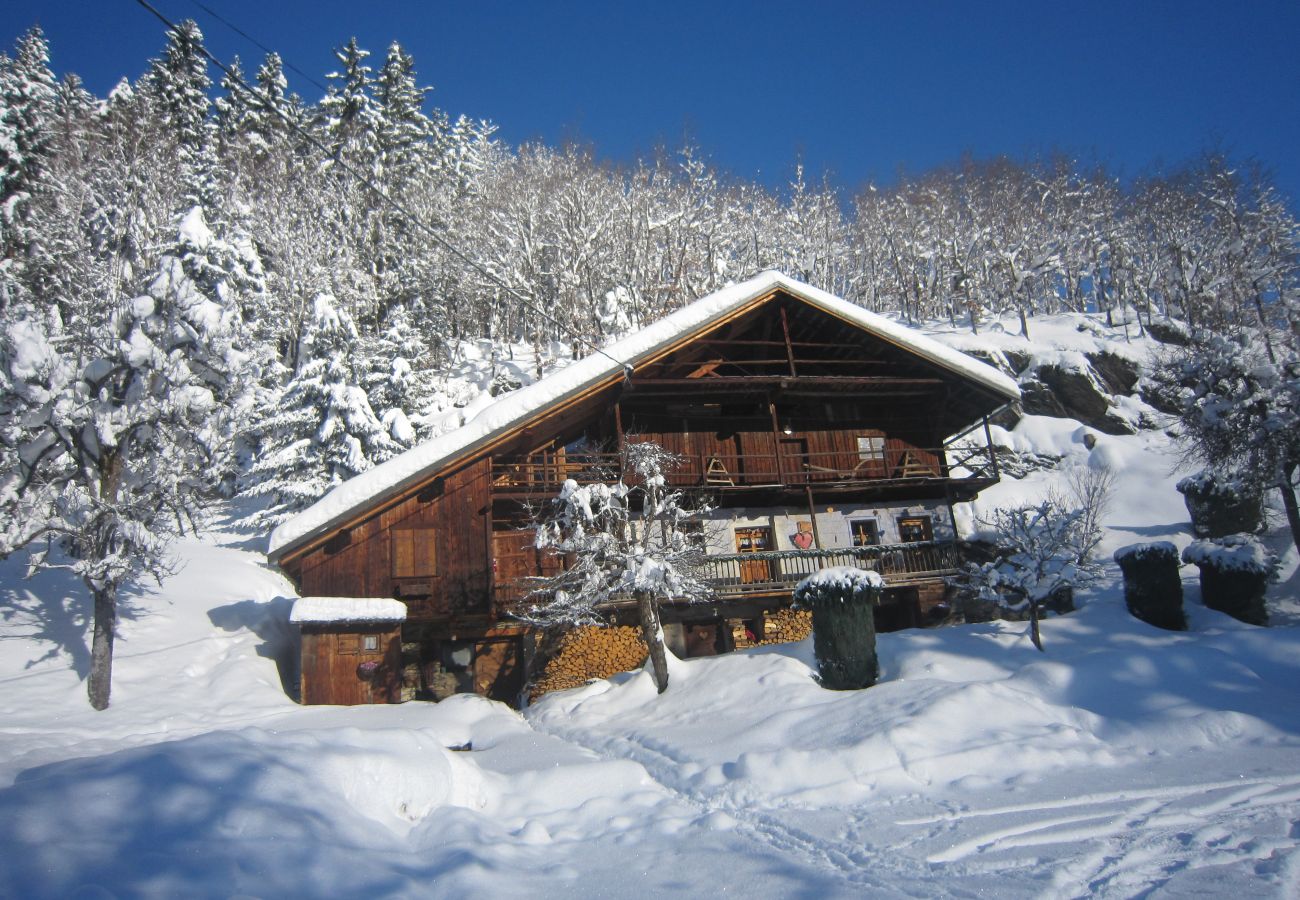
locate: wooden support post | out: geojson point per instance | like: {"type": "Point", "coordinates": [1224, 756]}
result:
{"type": "Point", "coordinates": [789, 348]}
{"type": "Point", "coordinates": [618, 424]}
{"type": "Point", "coordinates": [776, 442]}
{"type": "Point", "coordinates": [988, 442]}
{"type": "Point", "coordinates": [812, 514]}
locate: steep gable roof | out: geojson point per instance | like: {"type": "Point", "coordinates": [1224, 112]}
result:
{"type": "Point", "coordinates": [517, 408]}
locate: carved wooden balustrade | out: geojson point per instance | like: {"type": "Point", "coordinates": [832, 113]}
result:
{"type": "Point", "coordinates": [543, 473]}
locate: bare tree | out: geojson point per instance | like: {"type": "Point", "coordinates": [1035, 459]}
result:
{"type": "Point", "coordinates": [621, 540]}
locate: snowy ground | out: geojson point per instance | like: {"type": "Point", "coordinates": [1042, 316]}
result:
{"type": "Point", "coordinates": [1124, 761]}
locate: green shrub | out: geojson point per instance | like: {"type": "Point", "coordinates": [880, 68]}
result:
{"type": "Point", "coordinates": [1235, 570]}
{"type": "Point", "coordinates": [1153, 589]}
{"type": "Point", "coordinates": [843, 602]}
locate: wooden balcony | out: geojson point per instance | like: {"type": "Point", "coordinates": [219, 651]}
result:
{"type": "Point", "coordinates": [742, 576]}
{"type": "Point", "coordinates": [960, 464]}
{"type": "Point", "coordinates": [778, 571]}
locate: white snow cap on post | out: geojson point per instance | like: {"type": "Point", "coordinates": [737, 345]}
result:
{"type": "Point", "coordinates": [336, 610]}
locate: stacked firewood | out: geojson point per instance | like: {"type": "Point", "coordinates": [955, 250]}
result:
{"type": "Point", "coordinates": [588, 653]}
{"type": "Point", "coordinates": [786, 625]}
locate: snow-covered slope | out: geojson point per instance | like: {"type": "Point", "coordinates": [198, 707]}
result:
{"type": "Point", "coordinates": [1124, 761]}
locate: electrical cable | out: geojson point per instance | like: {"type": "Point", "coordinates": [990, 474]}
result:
{"type": "Point", "coordinates": [255, 42]}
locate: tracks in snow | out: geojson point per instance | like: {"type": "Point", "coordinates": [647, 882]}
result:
{"type": "Point", "coordinates": [1107, 843]}
{"type": "Point", "coordinates": [1133, 841]}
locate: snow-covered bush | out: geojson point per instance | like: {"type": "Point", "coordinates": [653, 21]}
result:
{"type": "Point", "coordinates": [1239, 401]}
{"type": "Point", "coordinates": [843, 601]}
{"type": "Point", "coordinates": [1235, 570]}
{"type": "Point", "coordinates": [1153, 591]}
{"type": "Point", "coordinates": [1043, 551]}
{"type": "Point", "coordinates": [1221, 504]}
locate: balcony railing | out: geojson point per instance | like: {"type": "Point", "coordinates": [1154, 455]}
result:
{"type": "Point", "coordinates": [740, 575]}
{"type": "Point", "coordinates": [545, 472]}
{"type": "Point", "coordinates": [780, 570]}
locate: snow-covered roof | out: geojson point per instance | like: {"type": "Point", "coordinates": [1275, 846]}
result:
{"type": "Point", "coordinates": [518, 407]}
{"type": "Point", "coordinates": [335, 610]}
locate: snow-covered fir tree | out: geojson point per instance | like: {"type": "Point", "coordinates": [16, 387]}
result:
{"type": "Point", "coordinates": [322, 430]}
{"type": "Point", "coordinates": [28, 94]}
{"type": "Point", "coordinates": [398, 381]}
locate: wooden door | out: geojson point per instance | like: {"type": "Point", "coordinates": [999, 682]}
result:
{"type": "Point", "coordinates": [754, 540]}
{"type": "Point", "coordinates": [499, 669]}
{"type": "Point", "coordinates": [513, 559]}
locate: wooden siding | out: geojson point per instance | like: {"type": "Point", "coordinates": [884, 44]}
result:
{"type": "Point", "coordinates": [805, 457]}
{"type": "Point", "coordinates": [330, 661]}
{"type": "Point", "coordinates": [454, 512]}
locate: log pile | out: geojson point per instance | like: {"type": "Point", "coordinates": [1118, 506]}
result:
{"type": "Point", "coordinates": [589, 653]}
{"type": "Point", "coordinates": [785, 626]}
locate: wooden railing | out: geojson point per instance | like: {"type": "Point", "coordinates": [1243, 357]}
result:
{"type": "Point", "coordinates": [740, 575]}
{"type": "Point", "coordinates": [545, 472]}
{"type": "Point", "coordinates": [750, 573]}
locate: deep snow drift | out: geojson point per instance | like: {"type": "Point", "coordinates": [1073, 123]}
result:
{"type": "Point", "coordinates": [1123, 761]}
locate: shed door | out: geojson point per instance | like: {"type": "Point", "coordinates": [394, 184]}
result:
{"type": "Point", "coordinates": [513, 560]}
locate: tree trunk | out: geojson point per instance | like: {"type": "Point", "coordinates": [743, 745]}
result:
{"type": "Point", "coordinates": [1292, 511]}
{"type": "Point", "coordinates": [101, 648]}
{"type": "Point", "coordinates": [1034, 633]}
{"type": "Point", "coordinates": [654, 638]}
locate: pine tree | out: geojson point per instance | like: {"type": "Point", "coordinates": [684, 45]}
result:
{"type": "Point", "coordinates": [28, 93]}
{"type": "Point", "coordinates": [346, 114]}
{"type": "Point", "coordinates": [322, 430]}
{"type": "Point", "coordinates": [178, 86]}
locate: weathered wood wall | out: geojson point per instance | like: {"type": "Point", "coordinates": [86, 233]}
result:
{"type": "Point", "coordinates": [331, 657]}
{"type": "Point", "coordinates": [457, 516]}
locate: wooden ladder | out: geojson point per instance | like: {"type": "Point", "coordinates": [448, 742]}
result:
{"type": "Point", "coordinates": [717, 473]}
{"type": "Point", "coordinates": [909, 466]}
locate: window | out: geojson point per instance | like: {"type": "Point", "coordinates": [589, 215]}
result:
{"type": "Point", "coordinates": [753, 540]}
{"type": "Point", "coordinates": [866, 533]}
{"type": "Point", "coordinates": [871, 448]}
{"type": "Point", "coordinates": [413, 553]}
{"type": "Point", "coordinates": [369, 642]}
{"type": "Point", "coordinates": [912, 529]}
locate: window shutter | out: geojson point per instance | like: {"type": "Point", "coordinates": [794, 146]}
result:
{"type": "Point", "coordinates": [414, 554]}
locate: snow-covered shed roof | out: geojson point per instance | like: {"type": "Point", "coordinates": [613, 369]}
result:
{"type": "Point", "coordinates": [519, 407]}
{"type": "Point", "coordinates": [338, 610]}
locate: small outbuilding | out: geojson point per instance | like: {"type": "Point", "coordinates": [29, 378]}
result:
{"type": "Point", "coordinates": [351, 649]}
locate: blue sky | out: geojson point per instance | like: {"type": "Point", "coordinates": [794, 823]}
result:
{"type": "Point", "coordinates": [860, 90]}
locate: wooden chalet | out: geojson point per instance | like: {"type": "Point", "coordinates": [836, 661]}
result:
{"type": "Point", "coordinates": [822, 434]}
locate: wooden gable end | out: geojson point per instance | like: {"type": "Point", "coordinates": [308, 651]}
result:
{"type": "Point", "coordinates": [753, 383]}
{"type": "Point", "coordinates": [431, 549]}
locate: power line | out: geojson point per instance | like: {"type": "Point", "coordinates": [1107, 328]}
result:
{"type": "Point", "coordinates": [407, 215]}
{"type": "Point", "coordinates": [248, 37]}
